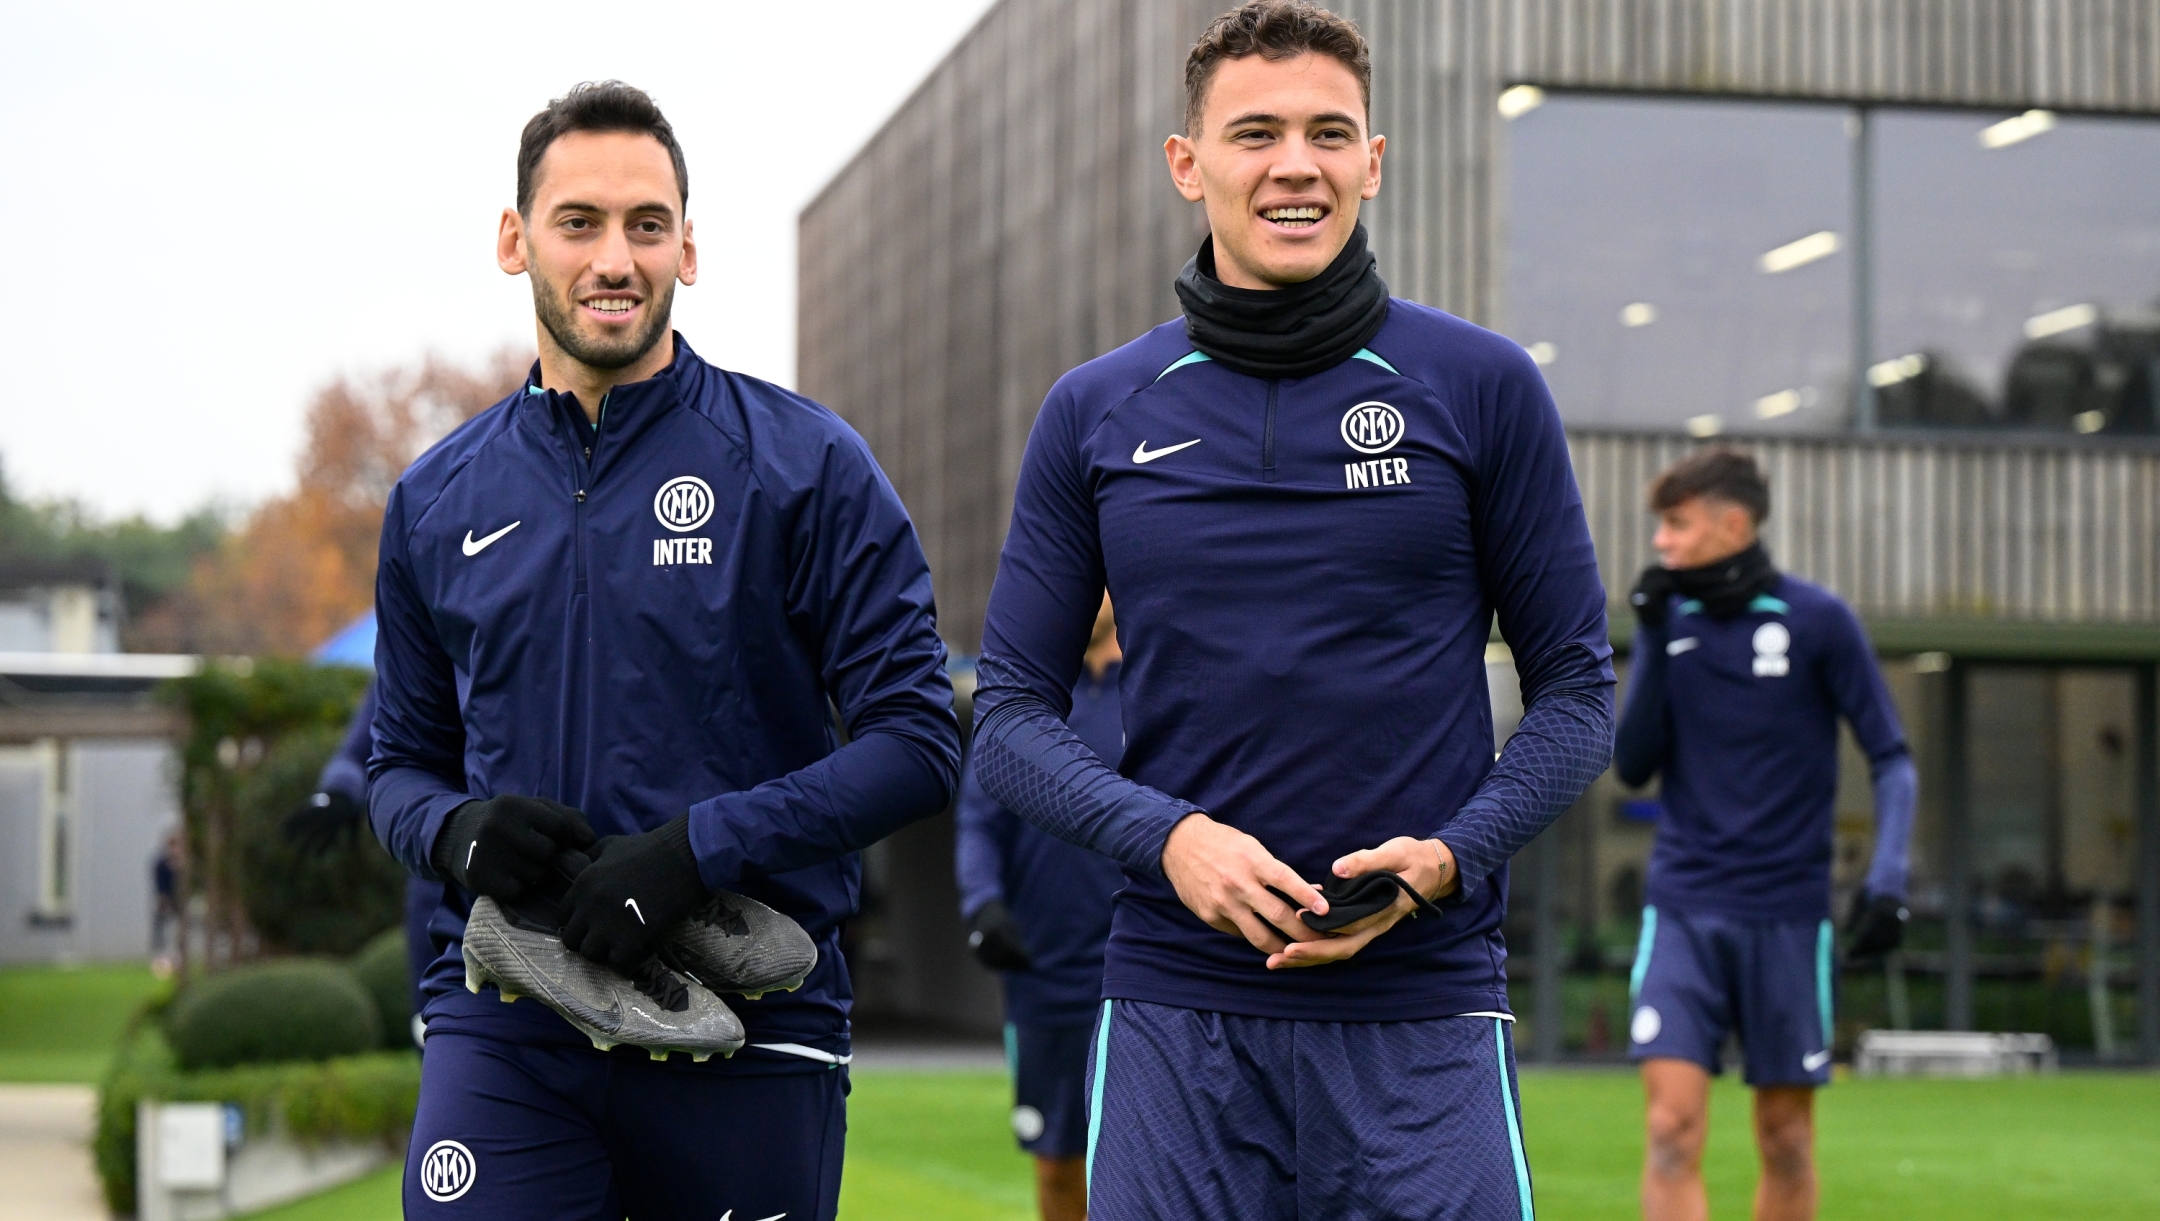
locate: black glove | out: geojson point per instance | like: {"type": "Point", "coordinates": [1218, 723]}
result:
{"type": "Point", "coordinates": [636, 890]}
{"type": "Point", "coordinates": [505, 846]}
{"type": "Point", "coordinates": [1877, 925]}
{"type": "Point", "coordinates": [322, 822]}
{"type": "Point", "coordinates": [995, 937]}
{"type": "Point", "coordinates": [1652, 596]}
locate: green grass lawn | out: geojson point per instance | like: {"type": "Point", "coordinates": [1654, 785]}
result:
{"type": "Point", "coordinates": [62, 1023]}
{"type": "Point", "coordinates": [2075, 1145]}
{"type": "Point", "coordinates": [2078, 1145]}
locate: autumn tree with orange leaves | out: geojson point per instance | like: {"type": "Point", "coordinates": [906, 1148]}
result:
{"type": "Point", "coordinates": [302, 565]}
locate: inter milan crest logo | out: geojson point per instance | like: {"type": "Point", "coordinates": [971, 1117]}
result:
{"type": "Point", "coordinates": [447, 1171]}
{"type": "Point", "coordinates": [684, 503]}
{"type": "Point", "coordinates": [1372, 428]}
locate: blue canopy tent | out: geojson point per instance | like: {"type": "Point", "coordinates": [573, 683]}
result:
{"type": "Point", "coordinates": [354, 645]}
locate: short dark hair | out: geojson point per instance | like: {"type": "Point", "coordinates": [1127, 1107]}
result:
{"type": "Point", "coordinates": [1714, 470]}
{"type": "Point", "coordinates": [595, 106]}
{"type": "Point", "coordinates": [1276, 30]}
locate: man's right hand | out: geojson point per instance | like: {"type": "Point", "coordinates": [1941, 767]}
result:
{"type": "Point", "coordinates": [505, 846]}
{"type": "Point", "coordinates": [1224, 876]}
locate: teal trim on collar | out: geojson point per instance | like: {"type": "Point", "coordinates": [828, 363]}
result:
{"type": "Point", "coordinates": [1691, 607]}
{"type": "Point", "coordinates": [534, 390]}
{"type": "Point", "coordinates": [1190, 358]}
{"type": "Point", "coordinates": [1769, 605]}
{"type": "Point", "coordinates": [1367, 354]}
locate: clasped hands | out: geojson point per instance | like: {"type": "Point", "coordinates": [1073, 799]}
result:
{"type": "Point", "coordinates": [1224, 877]}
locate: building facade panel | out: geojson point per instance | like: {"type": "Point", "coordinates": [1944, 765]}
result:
{"type": "Point", "coordinates": [1919, 529]}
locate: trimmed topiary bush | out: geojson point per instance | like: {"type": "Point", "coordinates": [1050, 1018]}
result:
{"type": "Point", "coordinates": [383, 971]}
{"type": "Point", "coordinates": [275, 1011]}
{"type": "Point", "coordinates": [309, 902]}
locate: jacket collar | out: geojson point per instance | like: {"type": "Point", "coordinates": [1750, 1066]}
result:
{"type": "Point", "coordinates": [627, 411]}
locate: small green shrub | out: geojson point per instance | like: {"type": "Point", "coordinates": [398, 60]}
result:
{"type": "Point", "coordinates": [367, 1097]}
{"type": "Point", "coordinates": [296, 1009]}
{"type": "Point", "coordinates": [383, 971]}
{"type": "Point", "coordinates": [324, 902]}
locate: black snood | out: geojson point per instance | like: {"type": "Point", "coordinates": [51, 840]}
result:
{"type": "Point", "coordinates": [1295, 331]}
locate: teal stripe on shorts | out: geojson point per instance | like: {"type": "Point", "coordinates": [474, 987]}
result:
{"type": "Point", "coordinates": [1514, 1129]}
{"type": "Point", "coordinates": [1642, 955]}
{"type": "Point", "coordinates": [1824, 938]}
{"type": "Point", "coordinates": [1102, 1069]}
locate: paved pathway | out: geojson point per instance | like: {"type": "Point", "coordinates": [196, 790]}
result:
{"type": "Point", "coordinates": [45, 1171]}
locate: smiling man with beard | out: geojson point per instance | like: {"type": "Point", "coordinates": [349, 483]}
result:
{"type": "Point", "coordinates": [617, 611]}
{"type": "Point", "coordinates": [1310, 501]}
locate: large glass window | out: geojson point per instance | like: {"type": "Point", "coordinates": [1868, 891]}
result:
{"type": "Point", "coordinates": [1691, 264]}
{"type": "Point", "coordinates": [2017, 263]}
{"type": "Point", "coordinates": [1683, 264]}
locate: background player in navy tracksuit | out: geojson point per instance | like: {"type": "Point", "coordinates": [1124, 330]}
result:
{"type": "Point", "coordinates": [338, 809]}
{"type": "Point", "coordinates": [1310, 502]}
{"type": "Point", "coordinates": [1740, 675]}
{"type": "Point", "coordinates": [638, 587]}
{"type": "Point", "coordinates": [1038, 910]}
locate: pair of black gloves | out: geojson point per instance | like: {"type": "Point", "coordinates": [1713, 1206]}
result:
{"type": "Point", "coordinates": [617, 896]}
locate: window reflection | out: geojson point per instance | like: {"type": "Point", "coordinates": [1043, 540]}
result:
{"type": "Point", "coordinates": [2016, 271]}
{"type": "Point", "coordinates": [1688, 264]}
{"type": "Point", "coordinates": [1682, 264]}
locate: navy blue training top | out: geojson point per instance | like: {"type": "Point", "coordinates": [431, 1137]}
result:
{"type": "Point", "coordinates": [1306, 572]}
{"type": "Point", "coordinates": [1058, 894]}
{"type": "Point", "coordinates": [1749, 750]}
{"type": "Point", "coordinates": [663, 621]}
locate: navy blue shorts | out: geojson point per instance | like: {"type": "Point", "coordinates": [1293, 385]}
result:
{"type": "Point", "coordinates": [1049, 1072]}
{"type": "Point", "coordinates": [521, 1133]}
{"type": "Point", "coordinates": [1200, 1114]}
{"type": "Point", "coordinates": [1768, 981]}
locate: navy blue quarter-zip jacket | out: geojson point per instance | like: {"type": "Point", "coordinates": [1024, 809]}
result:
{"type": "Point", "coordinates": [1306, 572]}
{"type": "Point", "coordinates": [661, 618]}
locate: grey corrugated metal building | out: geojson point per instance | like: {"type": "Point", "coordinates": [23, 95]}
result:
{"type": "Point", "coordinates": [1014, 219]}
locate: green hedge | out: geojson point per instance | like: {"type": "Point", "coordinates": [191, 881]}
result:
{"type": "Point", "coordinates": [291, 1009]}
{"type": "Point", "coordinates": [364, 1097]}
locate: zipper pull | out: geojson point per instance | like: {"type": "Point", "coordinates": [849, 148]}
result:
{"type": "Point", "coordinates": [581, 495]}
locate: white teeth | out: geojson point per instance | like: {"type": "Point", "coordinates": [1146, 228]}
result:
{"type": "Point", "coordinates": [1288, 214]}
{"type": "Point", "coordinates": [613, 305]}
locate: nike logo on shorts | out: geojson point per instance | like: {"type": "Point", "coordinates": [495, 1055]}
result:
{"type": "Point", "coordinates": [473, 547]}
{"type": "Point", "coordinates": [1142, 455]}
{"type": "Point", "coordinates": [1813, 1062]}
{"type": "Point", "coordinates": [632, 905]}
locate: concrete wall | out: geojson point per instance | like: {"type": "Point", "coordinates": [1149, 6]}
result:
{"type": "Point", "coordinates": [118, 800]}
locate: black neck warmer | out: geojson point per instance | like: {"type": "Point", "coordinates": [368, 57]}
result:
{"type": "Point", "coordinates": [1726, 587]}
{"type": "Point", "coordinates": [1286, 332]}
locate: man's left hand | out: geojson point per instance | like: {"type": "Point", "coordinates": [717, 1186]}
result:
{"type": "Point", "coordinates": [1426, 864]}
{"type": "Point", "coordinates": [637, 888]}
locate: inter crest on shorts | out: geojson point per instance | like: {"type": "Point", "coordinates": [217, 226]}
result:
{"type": "Point", "coordinates": [447, 1171]}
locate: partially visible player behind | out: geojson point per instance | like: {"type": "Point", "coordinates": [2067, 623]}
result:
{"type": "Point", "coordinates": [1038, 912]}
{"type": "Point", "coordinates": [1312, 501]}
{"type": "Point", "coordinates": [337, 811]}
{"type": "Point", "coordinates": [1740, 675]}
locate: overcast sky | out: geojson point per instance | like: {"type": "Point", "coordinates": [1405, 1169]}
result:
{"type": "Point", "coordinates": [213, 208]}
